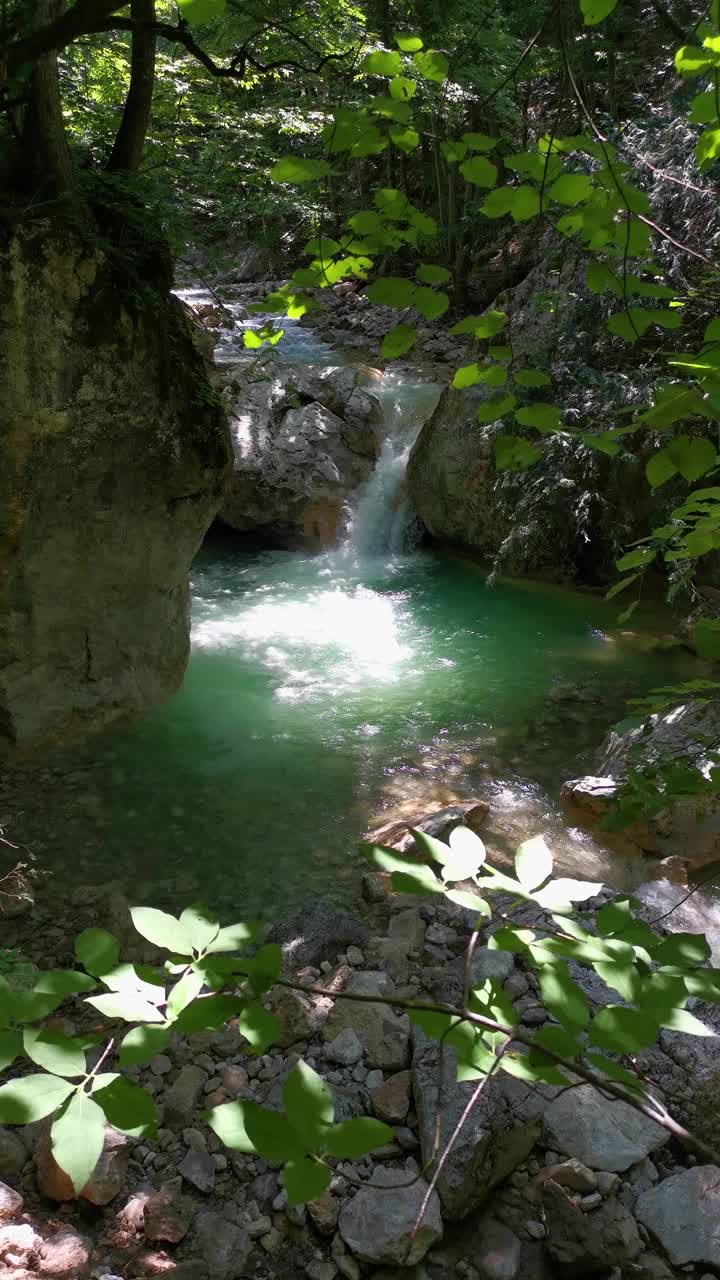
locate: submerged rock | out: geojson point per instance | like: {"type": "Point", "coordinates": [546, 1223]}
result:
{"type": "Point", "coordinates": [113, 458]}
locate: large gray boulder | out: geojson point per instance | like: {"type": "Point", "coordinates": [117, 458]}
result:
{"type": "Point", "coordinates": [113, 460]}
{"type": "Point", "coordinates": [497, 1136]}
{"type": "Point", "coordinates": [602, 1134]}
{"type": "Point", "coordinates": [377, 1225]}
{"type": "Point", "coordinates": [683, 1215]}
{"type": "Point", "coordinates": [689, 829]}
{"type": "Point", "coordinates": [303, 440]}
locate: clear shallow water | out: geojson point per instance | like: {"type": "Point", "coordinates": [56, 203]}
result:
{"type": "Point", "coordinates": [326, 692]}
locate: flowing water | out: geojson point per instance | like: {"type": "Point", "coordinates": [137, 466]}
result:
{"type": "Point", "coordinates": [326, 692]}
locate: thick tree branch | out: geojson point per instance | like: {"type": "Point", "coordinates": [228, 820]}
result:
{"type": "Point", "coordinates": [81, 20]}
{"type": "Point", "coordinates": [127, 151]}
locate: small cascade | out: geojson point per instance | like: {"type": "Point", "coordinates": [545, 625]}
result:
{"type": "Point", "coordinates": [382, 518]}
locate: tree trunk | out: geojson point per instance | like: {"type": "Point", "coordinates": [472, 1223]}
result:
{"type": "Point", "coordinates": [47, 152]}
{"type": "Point", "coordinates": [127, 152]}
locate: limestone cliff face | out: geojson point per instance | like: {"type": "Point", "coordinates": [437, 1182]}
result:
{"type": "Point", "coordinates": [113, 457]}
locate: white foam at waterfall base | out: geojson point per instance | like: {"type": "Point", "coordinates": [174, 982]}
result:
{"type": "Point", "coordinates": [382, 517]}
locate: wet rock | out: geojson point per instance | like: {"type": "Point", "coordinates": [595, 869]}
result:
{"type": "Point", "coordinates": [223, 1246]}
{"type": "Point", "coordinates": [602, 1134]}
{"type": "Point", "coordinates": [683, 1215]}
{"type": "Point", "coordinates": [12, 1154]}
{"type": "Point", "coordinates": [391, 1102]}
{"type": "Point", "coordinates": [11, 1203]}
{"type": "Point", "coordinates": [198, 1168]}
{"type": "Point", "coordinates": [318, 931]}
{"type": "Point", "coordinates": [182, 1098]}
{"type": "Point", "coordinates": [106, 1180]}
{"type": "Point", "coordinates": [377, 1226]}
{"type": "Point", "coordinates": [584, 1246]}
{"type": "Point", "coordinates": [499, 1133]}
{"type": "Point", "coordinates": [166, 1215]}
{"type": "Point", "coordinates": [497, 1251]}
{"type": "Point", "coordinates": [65, 1255]}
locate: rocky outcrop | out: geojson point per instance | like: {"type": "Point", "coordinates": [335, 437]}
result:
{"type": "Point", "coordinates": [113, 456]}
{"type": "Point", "coordinates": [566, 518]}
{"type": "Point", "coordinates": [688, 829]}
{"type": "Point", "coordinates": [303, 438]}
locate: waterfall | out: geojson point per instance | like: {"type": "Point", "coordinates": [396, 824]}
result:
{"type": "Point", "coordinates": [382, 516]}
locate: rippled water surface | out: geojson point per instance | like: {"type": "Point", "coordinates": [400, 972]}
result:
{"type": "Point", "coordinates": [324, 692]}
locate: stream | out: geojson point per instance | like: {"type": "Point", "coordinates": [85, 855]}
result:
{"type": "Point", "coordinates": [329, 692]}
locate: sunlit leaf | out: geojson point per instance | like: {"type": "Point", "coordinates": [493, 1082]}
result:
{"type": "Point", "coordinates": [77, 1138]}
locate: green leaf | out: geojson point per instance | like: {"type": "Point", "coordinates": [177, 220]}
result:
{"type": "Point", "coordinates": [692, 456]}
{"type": "Point", "coordinates": [531, 378]}
{"type": "Point", "coordinates": [200, 11]}
{"type": "Point", "coordinates": [10, 1047]}
{"type": "Point", "coordinates": [32, 1098]}
{"type": "Point", "coordinates": [623, 1030]}
{"type": "Point", "coordinates": [562, 997]}
{"type": "Point", "coordinates": [544, 417]}
{"type": "Point", "coordinates": [525, 203]}
{"type": "Point", "coordinates": [691, 950]}
{"type": "Point", "coordinates": [399, 340]}
{"type": "Point", "coordinates": [496, 407]}
{"type": "Point", "coordinates": [356, 1138]}
{"type": "Point", "coordinates": [60, 1054]}
{"type": "Point", "coordinates": [512, 453]}
{"type": "Point", "coordinates": [433, 848]}
{"type": "Point", "coordinates": [309, 1105]}
{"type": "Point", "coordinates": [561, 893]}
{"type": "Point", "coordinates": [682, 1020]}
{"type": "Point", "coordinates": [533, 863]}
{"type": "Point", "coordinates": [142, 1044]}
{"type": "Point", "coordinates": [321, 247]}
{"type": "Point", "coordinates": [660, 468]}
{"type": "Point", "coordinates": [482, 326]}
{"type": "Point", "coordinates": [704, 108]}
{"type": "Point", "coordinates": [77, 1139]}
{"type": "Point", "coordinates": [453, 151]}
{"type": "Point", "coordinates": [392, 291]}
{"type": "Point", "coordinates": [265, 967]}
{"type": "Point", "coordinates": [571, 188]}
{"type": "Point", "coordinates": [707, 638]}
{"type": "Point", "coordinates": [558, 1039]}
{"type": "Point", "coordinates": [97, 950]}
{"type": "Point", "coordinates": [470, 901]}
{"type": "Point", "coordinates": [271, 1134]}
{"type": "Point", "coordinates": [479, 141]}
{"type": "Point", "coordinates": [232, 938]}
{"type": "Point", "coordinates": [402, 89]}
{"type": "Point", "coordinates": [479, 171]}
{"type": "Point", "coordinates": [614, 1071]}
{"type": "Point", "coordinates": [693, 61]}
{"type": "Point", "coordinates": [297, 170]}
{"type": "Point", "coordinates": [31, 1006]}
{"type": "Point", "coordinates": [128, 1006]}
{"type": "Point", "coordinates": [430, 303]}
{"type": "Point", "coordinates": [199, 926]}
{"type": "Point", "coordinates": [430, 273]}
{"type": "Point", "coordinates": [128, 1107]}
{"type": "Point", "coordinates": [183, 993]}
{"type": "Point", "coordinates": [161, 929]}
{"type": "Point", "coordinates": [414, 877]}
{"type": "Point", "coordinates": [228, 1122]}
{"type": "Point", "coordinates": [382, 63]}
{"type": "Point", "coordinates": [470, 374]}
{"type": "Point", "coordinates": [405, 138]}
{"type": "Point", "coordinates": [636, 559]}
{"type": "Point", "coordinates": [259, 1026]}
{"type": "Point", "coordinates": [305, 1180]}
{"type": "Point", "coordinates": [595, 11]}
{"type": "Point", "coordinates": [499, 202]}
{"type": "Point", "coordinates": [431, 65]}
{"type": "Point", "coordinates": [63, 982]}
